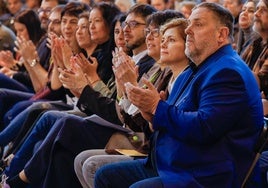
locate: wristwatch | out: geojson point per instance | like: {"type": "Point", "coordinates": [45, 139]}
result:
{"type": "Point", "coordinates": [33, 62]}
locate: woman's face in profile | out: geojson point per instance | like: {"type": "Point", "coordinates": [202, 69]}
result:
{"type": "Point", "coordinates": [68, 27]}
{"type": "Point", "coordinates": [14, 6]}
{"type": "Point", "coordinates": [97, 27]}
{"type": "Point", "coordinates": [119, 36]}
{"type": "Point", "coordinates": [21, 31]}
{"type": "Point", "coordinates": [153, 41]}
{"type": "Point", "coordinates": [171, 40]}
{"type": "Point", "coordinates": [82, 33]}
{"type": "Point", "coordinates": [247, 15]}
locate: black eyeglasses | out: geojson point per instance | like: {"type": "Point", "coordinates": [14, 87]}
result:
{"type": "Point", "coordinates": [154, 32]}
{"type": "Point", "coordinates": [131, 24]}
{"type": "Point", "coordinates": [46, 11]}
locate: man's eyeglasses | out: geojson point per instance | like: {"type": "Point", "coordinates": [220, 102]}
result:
{"type": "Point", "coordinates": [46, 11]}
{"type": "Point", "coordinates": [154, 32]}
{"type": "Point", "coordinates": [131, 24]}
{"type": "Point", "coordinates": [54, 22]}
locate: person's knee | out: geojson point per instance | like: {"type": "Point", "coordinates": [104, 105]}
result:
{"type": "Point", "coordinates": [78, 162]}
{"type": "Point", "coordinates": [48, 114]}
{"type": "Point", "coordinates": [40, 105]}
{"type": "Point", "coordinates": [52, 115]}
{"type": "Point", "coordinates": [90, 167]}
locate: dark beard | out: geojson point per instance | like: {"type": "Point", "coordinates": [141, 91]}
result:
{"type": "Point", "coordinates": [136, 44]}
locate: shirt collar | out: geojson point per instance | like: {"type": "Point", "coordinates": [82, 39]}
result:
{"type": "Point", "coordinates": [138, 57]}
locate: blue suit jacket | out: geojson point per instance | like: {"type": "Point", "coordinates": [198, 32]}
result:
{"type": "Point", "coordinates": [208, 127]}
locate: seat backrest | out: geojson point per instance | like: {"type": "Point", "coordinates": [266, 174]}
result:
{"type": "Point", "coordinates": [259, 148]}
{"type": "Point", "coordinates": [263, 139]}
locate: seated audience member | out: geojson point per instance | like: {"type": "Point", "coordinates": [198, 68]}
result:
{"type": "Point", "coordinates": [33, 74]}
{"type": "Point", "coordinates": [160, 5]}
{"type": "Point", "coordinates": [33, 4]}
{"type": "Point", "coordinates": [7, 38]}
{"type": "Point", "coordinates": [14, 7]}
{"type": "Point", "coordinates": [39, 40]}
{"type": "Point", "coordinates": [256, 54]}
{"type": "Point", "coordinates": [214, 110]}
{"type": "Point", "coordinates": [124, 5]}
{"type": "Point", "coordinates": [87, 162]}
{"type": "Point", "coordinates": [28, 28]}
{"type": "Point", "coordinates": [246, 34]}
{"type": "Point", "coordinates": [185, 7]}
{"type": "Point", "coordinates": [45, 10]}
{"type": "Point", "coordinates": [235, 7]}
{"type": "Point", "coordinates": [260, 26]}
{"type": "Point", "coordinates": [261, 69]}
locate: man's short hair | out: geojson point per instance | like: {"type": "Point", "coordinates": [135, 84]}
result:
{"type": "Point", "coordinates": [222, 14]}
{"type": "Point", "coordinates": [74, 9]}
{"type": "Point", "coordinates": [160, 17]}
{"type": "Point", "coordinates": [142, 10]}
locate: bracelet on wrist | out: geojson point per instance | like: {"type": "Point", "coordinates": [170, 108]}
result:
{"type": "Point", "coordinates": [33, 62]}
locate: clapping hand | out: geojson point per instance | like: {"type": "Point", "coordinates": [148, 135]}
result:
{"type": "Point", "coordinates": [26, 48]}
{"type": "Point", "coordinates": [6, 59]}
{"type": "Point", "coordinates": [89, 67]}
{"type": "Point", "coordinates": [8, 72]}
{"type": "Point", "coordinates": [124, 69]}
{"type": "Point", "coordinates": [74, 79]}
{"type": "Point", "coordinates": [146, 99]}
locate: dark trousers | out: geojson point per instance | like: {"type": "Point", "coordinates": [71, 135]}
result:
{"type": "Point", "coordinates": [37, 134]}
{"type": "Point", "coordinates": [8, 98]}
{"type": "Point", "coordinates": [132, 174]}
{"type": "Point", "coordinates": [9, 83]}
{"type": "Point", "coordinates": [52, 164]}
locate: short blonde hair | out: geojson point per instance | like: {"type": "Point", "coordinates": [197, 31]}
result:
{"type": "Point", "coordinates": [179, 23]}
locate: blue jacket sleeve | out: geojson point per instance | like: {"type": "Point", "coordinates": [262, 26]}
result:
{"type": "Point", "coordinates": [210, 107]}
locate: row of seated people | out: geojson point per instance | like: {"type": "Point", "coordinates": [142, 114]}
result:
{"type": "Point", "coordinates": [99, 33]}
{"type": "Point", "coordinates": [95, 85]}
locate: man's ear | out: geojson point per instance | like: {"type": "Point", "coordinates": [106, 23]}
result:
{"type": "Point", "coordinates": [223, 34]}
